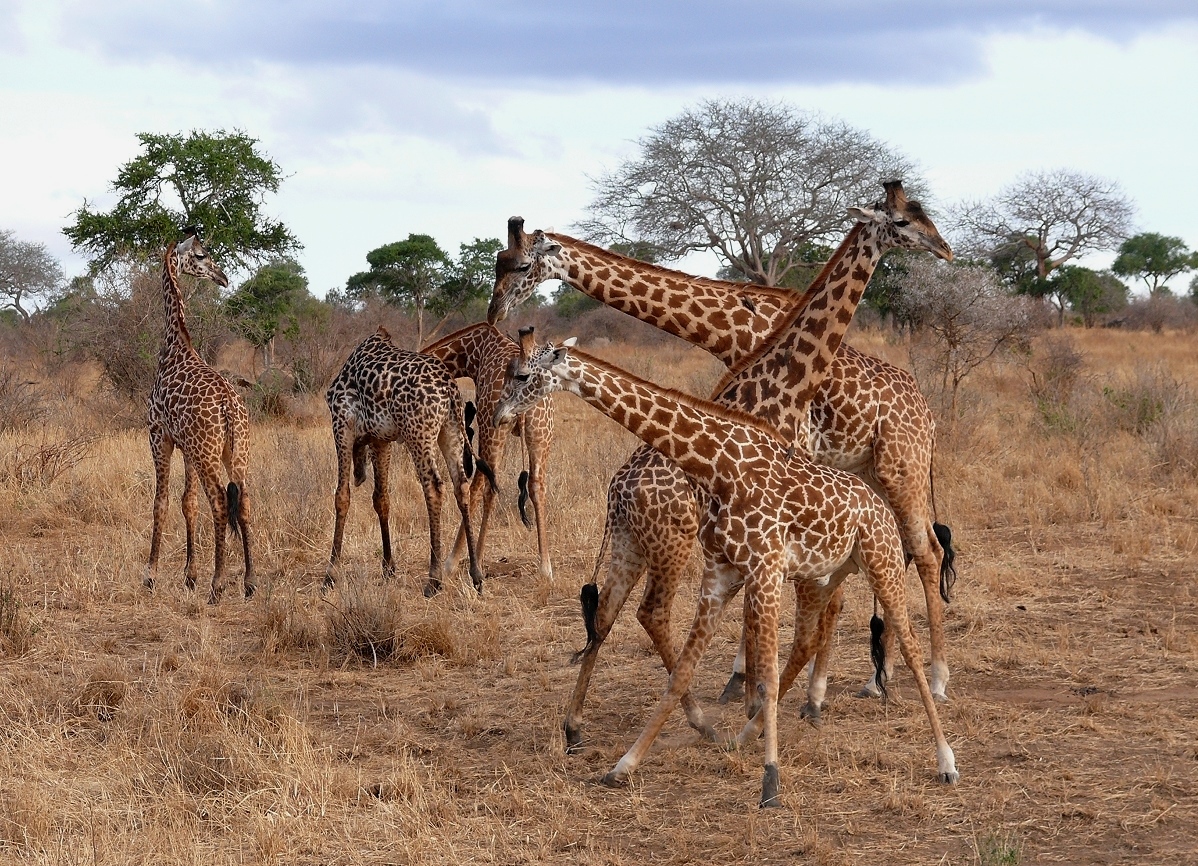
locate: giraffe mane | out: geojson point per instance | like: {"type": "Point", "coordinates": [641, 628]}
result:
{"type": "Point", "coordinates": [725, 413]}
{"type": "Point", "coordinates": [767, 345]}
{"type": "Point", "coordinates": [784, 297]}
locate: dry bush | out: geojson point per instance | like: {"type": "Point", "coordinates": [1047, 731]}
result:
{"type": "Point", "coordinates": [1055, 369]}
{"type": "Point", "coordinates": [39, 465]}
{"type": "Point", "coordinates": [1158, 312]}
{"type": "Point", "coordinates": [21, 406]}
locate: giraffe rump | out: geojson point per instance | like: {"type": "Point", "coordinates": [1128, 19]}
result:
{"type": "Point", "coordinates": [948, 572]}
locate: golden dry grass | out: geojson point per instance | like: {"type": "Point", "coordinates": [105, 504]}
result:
{"type": "Point", "coordinates": [139, 727]}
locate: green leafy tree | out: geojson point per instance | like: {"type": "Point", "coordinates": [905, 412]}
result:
{"type": "Point", "coordinates": [265, 304]}
{"type": "Point", "coordinates": [406, 274]}
{"type": "Point", "coordinates": [1154, 258]}
{"type": "Point", "coordinates": [470, 279]}
{"type": "Point", "coordinates": [27, 271]}
{"type": "Point", "coordinates": [1088, 293]}
{"type": "Point", "coordinates": [215, 180]}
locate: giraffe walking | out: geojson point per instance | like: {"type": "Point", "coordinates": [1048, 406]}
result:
{"type": "Point", "coordinates": [865, 416]}
{"type": "Point", "coordinates": [385, 394]}
{"type": "Point", "coordinates": [194, 409]}
{"type": "Point", "coordinates": [771, 515]}
{"type": "Point", "coordinates": [480, 352]}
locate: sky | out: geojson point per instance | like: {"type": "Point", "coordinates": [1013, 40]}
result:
{"type": "Point", "coordinates": [446, 118]}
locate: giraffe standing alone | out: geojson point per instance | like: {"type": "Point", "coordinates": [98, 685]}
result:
{"type": "Point", "coordinates": [481, 353]}
{"type": "Point", "coordinates": [772, 514]}
{"type": "Point", "coordinates": [385, 394]}
{"type": "Point", "coordinates": [194, 409]}
{"type": "Point", "coordinates": [867, 416]}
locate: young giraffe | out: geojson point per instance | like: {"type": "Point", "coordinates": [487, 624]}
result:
{"type": "Point", "coordinates": [480, 352]}
{"type": "Point", "coordinates": [383, 394]}
{"type": "Point", "coordinates": [771, 515]}
{"type": "Point", "coordinates": [868, 416]}
{"type": "Point", "coordinates": [194, 409]}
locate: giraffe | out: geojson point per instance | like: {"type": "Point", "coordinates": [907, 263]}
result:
{"type": "Point", "coordinates": [867, 416]}
{"type": "Point", "coordinates": [194, 409]}
{"type": "Point", "coordinates": [385, 394]}
{"type": "Point", "coordinates": [772, 514]}
{"type": "Point", "coordinates": [480, 352]}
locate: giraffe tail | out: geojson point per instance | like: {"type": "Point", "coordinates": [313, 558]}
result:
{"type": "Point", "coordinates": [233, 503]}
{"type": "Point", "coordinates": [948, 572]}
{"type": "Point", "coordinates": [522, 502]}
{"type": "Point", "coordinates": [877, 651]}
{"type": "Point", "coordinates": [944, 535]}
{"type": "Point", "coordinates": [588, 596]}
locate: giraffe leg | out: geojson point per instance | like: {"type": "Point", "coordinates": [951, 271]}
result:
{"type": "Point", "coordinates": [161, 449]}
{"type": "Point", "coordinates": [249, 582]}
{"type": "Point", "coordinates": [888, 583]}
{"type": "Point", "coordinates": [490, 449]}
{"type": "Point", "coordinates": [812, 601]}
{"type": "Point", "coordinates": [720, 582]}
{"type": "Point", "coordinates": [817, 674]}
{"type": "Point", "coordinates": [191, 501]}
{"type": "Point", "coordinates": [655, 615]}
{"type": "Point", "coordinates": [344, 442]}
{"type": "Point", "coordinates": [537, 438]}
{"type": "Point", "coordinates": [764, 596]}
{"type": "Point", "coordinates": [216, 493]}
{"type": "Point", "coordinates": [624, 571]}
{"type": "Point", "coordinates": [452, 441]}
{"type": "Point", "coordinates": [380, 454]}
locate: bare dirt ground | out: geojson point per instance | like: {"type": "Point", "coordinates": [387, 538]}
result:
{"type": "Point", "coordinates": [140, 727]}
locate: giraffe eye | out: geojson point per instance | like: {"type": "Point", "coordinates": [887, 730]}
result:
{"type": "Point", "coordinates": [523, 377]}
{"type": "Point", "coordinates": [902, 223]}
{"type": "Point", "coordinates": [524, 267]}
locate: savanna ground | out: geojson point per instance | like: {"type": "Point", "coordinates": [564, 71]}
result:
{"type": "Point", "coordinates": [149, 727]}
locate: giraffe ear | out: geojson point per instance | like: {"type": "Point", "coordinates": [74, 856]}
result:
{"type": "Point", "coordinates": [570, 342]}
{"type": "Point", "coordinates": [862, 214]}
{"type": "Point", "coordinates": [546, 246]}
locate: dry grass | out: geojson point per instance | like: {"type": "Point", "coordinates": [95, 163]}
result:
{"type": "Point", "coordinates": [375, 726]}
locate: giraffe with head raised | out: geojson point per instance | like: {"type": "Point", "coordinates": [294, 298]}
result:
{"type": "Point", "coordinates": [385, 394]}
{"type": "Point", "coordinates": [771, 514]}
{"type": "Point", "coordinates": [193, 408]}
{"type": "Point", "coordinates": [866, 416]}
{"type": "Point", "coordinates": [481, 353]}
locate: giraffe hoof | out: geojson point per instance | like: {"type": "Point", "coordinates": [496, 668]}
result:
{"type": "Point", "coordinates": [213, 598]}
{"type": "Point", "coordinates": [811, 712]}
{"type": "Point", "coordinates": [614, 780]}
{"type": "Point", "coordinates": [573, 740]}
{"type": "Point", "coordinates": [431, 588]}
{"type": "Point", "coordinates": [327, 584]}
{"type": "Point", "coordinates": [949, 778]}
{"type": "Point", "coordinates": [148, 583]}
{"type": "Point", "coordinates": [735, 689]}
{"type": "Point", "coordinates": [868, 692]}
{"type": "Point", "coordinates": [190, 583]}
{"type": "Point", "coordinates": [388, 571]}
{"type": "Point", "coordinates": [769, 788]}
{"type": "Point", "coordinates": [940, 697]}
{"type": "Point", "coordinates": [249, 591]}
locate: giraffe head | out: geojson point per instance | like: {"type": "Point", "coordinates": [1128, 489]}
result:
{"type": "Point", "coordinates": [528, 261]}
{"type": "Point", "coordinates": [192, 258]}
{"type": "Point", "coordinates": [534, 374]}
{"type": "Point", "coordinates": [902, 223]}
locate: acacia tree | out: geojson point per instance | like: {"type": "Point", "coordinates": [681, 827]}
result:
{"type": "Point", "coordinates": [968, 314]}
{"type": "Point", "coordinates": [405, 274]}
{"type": "Point", "coordinates": [215, 180]}
{"type": "Point", "coordinates": [27, 271]}
{"type": "Point", "coordinates": [755, 182]}
{"type": "Point", "coordinates": [1040, 222]}
{"type": "Point", "coordinates": [1089, 293]}
{"type": "Point", "coordinates": [1154, 258]}
{"type": "Point", "coordinates": [262, 305]}
{"type": "Point", "coordinates": [469, 279]}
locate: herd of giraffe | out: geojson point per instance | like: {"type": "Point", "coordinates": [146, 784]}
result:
{"type": "Point", "coordinates": [810, 461]}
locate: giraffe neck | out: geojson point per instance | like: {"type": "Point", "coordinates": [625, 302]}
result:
{"type": "Point", "coordinates": [176, 337]}
{"type": "Point", "coordinates": [778, 381]}
{"type": "Point", "coordinates": [705, 440]}
{"type": "Point", "coordinates": [728, 320]}
{"type": "Point", "coordinates": [464, 350]}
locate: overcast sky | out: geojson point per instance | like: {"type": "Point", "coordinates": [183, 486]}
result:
{"type": "Point", "coordinates": [448, 117]}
